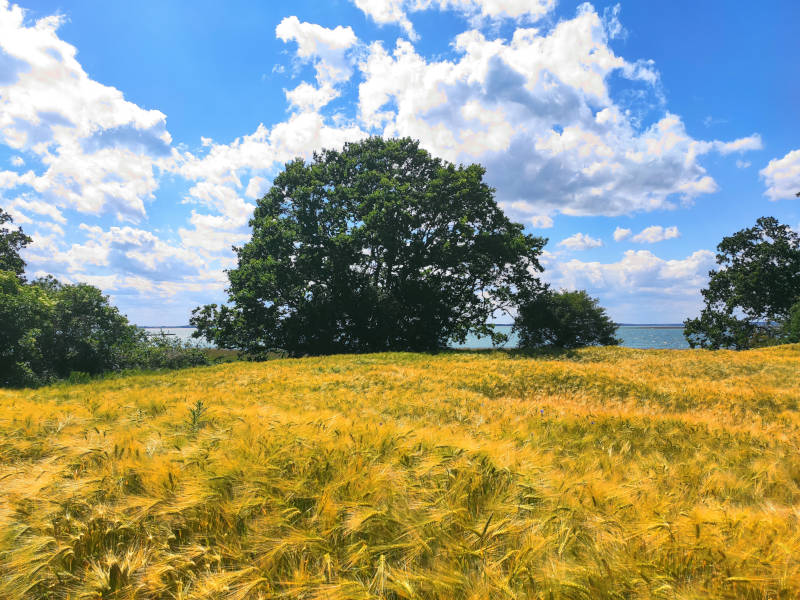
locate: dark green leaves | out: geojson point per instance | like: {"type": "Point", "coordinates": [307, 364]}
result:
{"type": "Point", "coordinates": [11, 242]}
{"type": "Point", "coordinates": [377, 247]}
{"type": "Point", "coordinates": [563, 320]}
{"type": "Point", "coordinates": [751, 295]}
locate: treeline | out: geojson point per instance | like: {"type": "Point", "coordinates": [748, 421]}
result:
{"type": "Point", "coordinates": [51, 330]}
{"type": "Point", "coordinates": [379, 247]}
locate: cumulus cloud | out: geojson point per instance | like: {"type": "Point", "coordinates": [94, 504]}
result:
{"type": "Point", "coordinates": [639, 270]}
{"type": "Point", "coordinates": [620, 234]}
{"type": "Point", "coordinates": [324, 48]}
{"type": "Point", "coordinates": [98, 149]}
{"type": "Point", "coordinates": [126, 251]}
{"type": "Point", "coordinates": [17, 161]}
{"type": "Point", "coordinates": [256, 187]}
{"type": "Point", "coordinates": [386, 12]}
{"type": "Point", "coordinates": [782, 176]}
{"type": "Point", "coordinates": [31, 204]}
{"type": "Point", "coordinates": [752, 142]}
{"type": "Point", "coordinates": [655, 233]}
{"type": "Point", "coordinates": [537, 111]}
{"type": "Point", "coordinates": [639, 283]}
{"type": "Point", "coordinates": [541, 221]}
{"type": "Point", "coordinates": [580, 241]}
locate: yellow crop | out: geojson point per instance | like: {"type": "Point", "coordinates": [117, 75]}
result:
{"type": "Point", "coordinates": [603, 473]}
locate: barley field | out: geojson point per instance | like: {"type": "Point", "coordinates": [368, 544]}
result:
{"type": "Point", "coordinates": [601, 473]}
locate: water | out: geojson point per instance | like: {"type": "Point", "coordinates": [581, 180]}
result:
{"type": "Point", "coordinates": [182, 333]}
{"type": "Point", "coordinates": [632, 336]}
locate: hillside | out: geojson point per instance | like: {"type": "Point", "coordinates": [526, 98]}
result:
{"type": "Point", "coordinates": [603, 473]}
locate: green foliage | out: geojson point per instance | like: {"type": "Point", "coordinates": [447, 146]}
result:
{"type": "Point", "coordinates": [89, 334]}
{"type": "Point", "coordinates": [564, 320]}
{"type": "Point", "coordinates": [26, 323]}
{"type": "Point", "coordinates": [162, 352]}
{"type": "Point", "coordinates": [79, 377]}
{"type": "Point", "coordinates": [196, 421]}
{"type": "Point", "coordinates": [791, 327]}
{"type": "Point", "coordinates": [380, 246]}
{"type": "Point", "coordinates": [751, 295]}
{"type": "Point", "coordinates": [49, 330]}
{"type": "Point", "coordinates": [11, 242]}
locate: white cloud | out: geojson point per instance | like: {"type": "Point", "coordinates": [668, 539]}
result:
{"type": "Point", "coordinates": [752, 142]}
{"type": "Point", "coordinates": [514, 9]}
{"type": "Point", "coordinates": [256, 187]}
{"type": "Point", "coordinates": [541, 221]}
{"type": "Point", "coordinates": [306, 97]}
{"type": "Point", "coordinates": [17, 161]}
{"type": "Point", "coordinates": [620, 234]}
{"type": "Point", "coordinates": [97, 148]}
{"type": "Point", "coordinates": [34, 205]}
{"type": "Point", "coordinates": [640, 283]}
{"type": "Point", "coordinates": [580, 241]}
{"type": "Point", "coordinates": [612, 23]}
{"type": "Point", "coordinates": [655, 233]}
{"type": "Point", "coordinates": [53, 227]}
{"type": "Point", "coordinates": [537, 112]}
{"type": "Point", "coordinates": [536, 109]}
{"type": "Point", "coordinates": [324, 48]}
{"type": "Point", "coordinates": [386, 12]}
{"type": "Point", "coordinates": [742, 164]}
{"type": "Point", "coordinates": [213, 234]}
{"type": "Point", "coordinates": [782, 176]}
{"type": "Point", "coordinates": [638, 271]}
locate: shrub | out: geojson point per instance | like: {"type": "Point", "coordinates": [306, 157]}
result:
{"type": "Point", "coordinates": [564, 320]}
{"type": "Point", "coordinates": [162, 352]}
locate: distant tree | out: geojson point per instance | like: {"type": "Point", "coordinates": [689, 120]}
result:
{"type": "Point", "coordinates": [749, 298]}
{"type": "Point", "coordinates": [11, 242]}
{"type": "Point", "coordinates": [376, 247]}
{"type": "Point", "coordinates": [564, 320]}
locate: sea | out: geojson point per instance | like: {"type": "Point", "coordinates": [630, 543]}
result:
{"type": "Point", "coordinates": [632, 336]}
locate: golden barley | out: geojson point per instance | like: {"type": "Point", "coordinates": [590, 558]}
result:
{"type": "Point", "coordinates": [600, 473]}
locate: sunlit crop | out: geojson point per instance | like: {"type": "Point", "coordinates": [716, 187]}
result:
{"type": "Point", "coordinates": [603, 473]}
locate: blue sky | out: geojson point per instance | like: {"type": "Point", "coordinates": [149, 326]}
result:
{"type": "Point", "coordinates": [135, 138]}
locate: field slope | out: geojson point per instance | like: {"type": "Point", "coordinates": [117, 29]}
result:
{"type": "Point", "coordinates": [604, 473]}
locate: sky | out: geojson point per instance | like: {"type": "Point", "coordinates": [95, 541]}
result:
{"type": "Point", "coordinates": [136, 138]}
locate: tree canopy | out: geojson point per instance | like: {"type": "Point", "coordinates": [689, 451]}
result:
{"type": "Point", "coordinates": [11, 242]}
{"type": "Point", "coordinates": [749, 299]}
{"type": "Point", "coordinates": [49, 330]}
{"type": "Point", "coordinates": [564, 320]}
{"type": "Point", "coordinates": [379, 246]}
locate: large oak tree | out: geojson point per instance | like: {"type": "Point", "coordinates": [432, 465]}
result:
{"type": "Point", "coordinates": [379, 246]}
